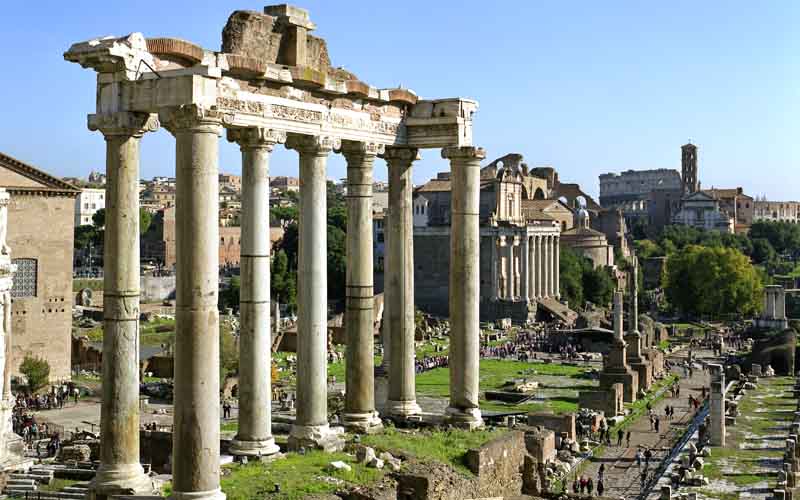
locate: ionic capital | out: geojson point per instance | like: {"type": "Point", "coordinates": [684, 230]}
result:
{"type": "Point", "coordinates": [123, 123]}
{"type": "Point", "coordinates": [463, 153]}
{"type": "Point", "coordinates": [360, 150]}
{"type": "Point", "coordinates": [320, 145]}
{"type": "Point", "coordinates": [256, 137]}
{"type": "Point", "coordinates": [401, 154]}
{"type": "Point", "coordinates": [192, 118]}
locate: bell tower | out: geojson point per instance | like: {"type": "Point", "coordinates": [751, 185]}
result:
{"type": "Point", "coordinates": [689, 168]}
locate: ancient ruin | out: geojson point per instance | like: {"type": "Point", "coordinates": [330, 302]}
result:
{"type": "Point", "coordinates": [272, 83]}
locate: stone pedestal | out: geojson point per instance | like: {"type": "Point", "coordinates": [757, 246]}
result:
{"type": "Point", "coordinates": [617, 370]}
{"type": "Point", "coordinates": [717, 414]}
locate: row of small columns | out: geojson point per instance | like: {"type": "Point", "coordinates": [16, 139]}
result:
{"type": "Point", "coordinates": [196, 414]}
{"type": "Point", "coordinates": [532, 272]}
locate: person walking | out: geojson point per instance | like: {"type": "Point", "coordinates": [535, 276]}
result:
{"type": "Point", "coordinates": [583, 484]}
{"type": "Point", "coordinates": [600, 487]}
{"type": "Point", "coordinates": [589, 486]}
{"type": "Point", "coordinates": [620, 435]}
{"type": "Point", "coordinates": [601, 472]}
{"type": "Point", "coordinates": [628, 439]}
{"type": "Point", "coordinates": [657, 424]}
{"type": "Point", "coordinates": [638, 458]}
{"type": "Point", "coordinates": [576, 485]}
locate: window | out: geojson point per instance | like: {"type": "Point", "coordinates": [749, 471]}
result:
{"type": "Point", "coordinates": [25, 279]}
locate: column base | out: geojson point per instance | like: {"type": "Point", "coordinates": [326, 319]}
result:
{"type": "Point", "coordinates": [216, 494]}
{"type": "Point", "coordinates": [464, 418]}
{"type": "Point", "coordinates": [362, 423]}
{"type": "Point", "coordinates": [403, 409]}
{"type": "Point", "coordinates": [320, 437]}
{"type": "Point", "coordinates": [254, 448]}
{"type": "Point", "coordinates": [126, 479]}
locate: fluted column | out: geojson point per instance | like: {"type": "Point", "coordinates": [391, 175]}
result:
{"type": "Point", "coordinates": [120, 469]}
{"type": "Point", "coordinates": [540, 266]}
{"type": "Point", "coordinates": [464, 286]}
{"type": "Point", "coordinates": [551, 268]}
{"type": "Point", "coordinates": [254, 436]}
{"type": "Point", "coordinates": [311, 427]}
{"type": "Point", "coordinates": [359, 407]}
{"type": "Point", "coordinates": [195, 445]}
{"type": "Point", "coordinates": [532, 266]}
{"type": "Point", "coordinates": [524, 278]}
{"type": "Point", "coordinates": [557, 281]}
{"type": "Point", "coordinates": [399, 287]}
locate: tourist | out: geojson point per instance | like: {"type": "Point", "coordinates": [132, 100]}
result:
{"type": "Point", "coordinates": [589, 486]}
{"type": "Point", "coordinates": [648, 454]}
{"type": "Point", "coordinates": [583, 484]}
{"type": "Point", "coordinates": [656, 423]}
{"type": "Point", "coordinates": [601, 473]}
{"type": "Point", "coordinates": [576, 485]}
{"type": "Point", "coordinates": [638, 458]}
{"type": "Point", "coordinates": [600, 487]}
{"type": "Point", "coordinates": [620, 435]}
{"type": "Point", "coordinates": [628, 439]}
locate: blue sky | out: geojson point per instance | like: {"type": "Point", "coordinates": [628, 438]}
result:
{"type": "Point", "coordinates": [588, 87]}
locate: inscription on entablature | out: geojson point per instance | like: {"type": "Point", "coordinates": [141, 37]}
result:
{"type": "Point", "coordinates": [296, 114]}
{"type": "Point", "coordinates": [433, 130]}
{"type": "Point", "coordinates": [251, 107]}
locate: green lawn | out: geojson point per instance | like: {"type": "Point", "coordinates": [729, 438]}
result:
{"type": "Point", "coordinates": [445, 446]}
{"type": "Point", "coordinates": [57, 485]}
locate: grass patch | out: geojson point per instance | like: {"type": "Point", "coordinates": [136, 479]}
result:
{"type": "Point", "coordinates": [232, 426]}
{"type": "Point", "coordinates": [298, 477]}
{"type": "Point", "coordinates": [57, 484]}
{"type": "Point", "coordinates": [445, 446]}
{"type": "Point", "coordinates": [94, 285]}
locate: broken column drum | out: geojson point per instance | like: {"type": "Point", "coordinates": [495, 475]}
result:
{"type": "Point", "coordinates": [275, 82]}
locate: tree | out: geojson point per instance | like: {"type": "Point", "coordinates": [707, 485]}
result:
{"type": "Point", "coordinates": [763, 253]}
{"type": "Point", "coordinates": [229, 295]}
{"type": "Point", "coordinates": [283, 282]}
{"type": "Point", "coordinates": [712, 281]}
{"type": "Point", "coordinates": [84, 236]}
{"type": "Point", "coordinates": [570, 277]}
{"type": "Point", "coordinates": [337, 264]}
{"type": "Point", "coordinates": [36, 371]}
{"type": "Point", "coordinates": [598, 286]}
{"type": "Point", "coordinates": [99, 219]}
{"type": "Point", "coordinates": [228, 354]}
{"type": "Point", "coordinates": [145, 218]}
{"type": "Point", "coordinates": [783, 236]}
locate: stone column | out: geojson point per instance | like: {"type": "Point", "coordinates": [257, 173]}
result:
{"type": "Point", "coordinates": [546, 265]}
{"type": "Point", "coordinates": [534, 259]}
{"type": "Point", "coordinates": [359, 409]}
{"type": "Point", "coordinates": [717, 416]}
{"type": "Point", "coordinates": [495, 263]}
{"type": "Point", "coordinates": [254, 437]}
{"type": "Point", "coordinates": [7, 360]}
{"type": "Point", "coordinates": [557, 280]}
{"type": "Point", "coordinates": [464, 285]}
{"type": "Point", "coordinates": [399, 283]}
{"type": "Point", "coordinates": [510, 267]}
{"type": "Point", "coordinates": [311, 427]}
{"type": "Point", "coordinates": [524, 277]}
{"type": "Point", "coordinates": [195, 440]}
{"type": "Point", "coordinates": [120, 470]}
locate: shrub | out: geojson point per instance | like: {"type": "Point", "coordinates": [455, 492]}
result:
{"type": "Point", "coordinates": [36, 371]}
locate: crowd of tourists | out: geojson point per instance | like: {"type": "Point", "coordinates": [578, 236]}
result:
{"type": "Point", "coordinates": [429, 363]}
{"type": "Point", "coordinates": [525, 345]}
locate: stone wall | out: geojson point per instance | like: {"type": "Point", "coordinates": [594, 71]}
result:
{"type": "Point", "coordinates": [497, 464]}
{"type": "Point", "coordinates": [609, 401]}
{"type": "Point", "coordinates": [40, 228]}
{"type": "Point", "coordinates": [157, 288]}
{"type": "Point", "coordinates": [555, 423]}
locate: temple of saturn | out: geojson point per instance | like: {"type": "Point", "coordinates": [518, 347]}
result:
{"type": "Point", "coordinates": [271, 84]}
